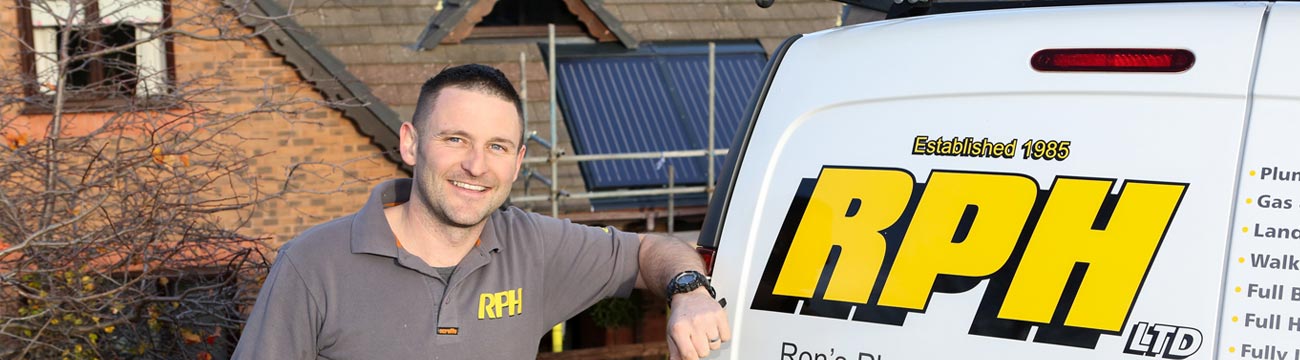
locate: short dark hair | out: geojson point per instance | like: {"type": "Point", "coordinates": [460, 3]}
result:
{"type": "Point", "coordinates": [474, 77]}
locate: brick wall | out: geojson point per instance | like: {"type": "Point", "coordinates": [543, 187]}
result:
{"type": "Point", "coordinates": [336, 165]}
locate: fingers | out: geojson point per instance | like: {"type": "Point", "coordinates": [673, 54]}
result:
{"type": "Point", "coordinates": [714, 334]}
{"type": "Point", "coordinates": [673, 353]}
{"type": "Point", "coordinates": [724, 328]}
{"type": "Point", "coordinates": [688, 345]}
{"type": "Point", "coordinates": [696, 327]}
{"type": "Point", "coordinates": [701, 344]}
{"type": "Point", "coordinates": [696, 339]}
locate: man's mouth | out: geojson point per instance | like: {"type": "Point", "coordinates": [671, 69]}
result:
{"type": "Point", "coordinates": [466, 186]}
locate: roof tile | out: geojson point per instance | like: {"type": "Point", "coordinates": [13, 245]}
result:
{"type": "Point", "coordinates": [684, 12]}
{"type": "Point", "coordinates": [731, 11]}
{"type": "Point", "coordinates": [616, 11]}
{"type": "Point", "coordinates": [677, 30]}
{"type": "Point", "coordinates": [647, 30]}
{"type": "Point", "coordinates": [749, 11]}
{"type": "Point", "coordinates": [658, 12]}
{"type": "Point", "coordinates": [729, 30]}
{"type": "Point", "coordinates": [709, 11]}
{"type": "Point", "coordinates": [703, 30]}
{"type": "Point", "coordinates": [394, 94]}
{"type": "Point", "coordinates": [355, 35]}
{"type": "Point", "coordinates": [393, 15]}
{"type": "Point", "coordinates": [656, 31]}
{"type": "Point", "coordinates": [753, 28]}
{"type": "Point", "coordinates": [777, 29]}
{"type": "Point", "coordinates": [347, 54]}
{"type": "Point", "coordinates": [368, 16]}
{"type": "Point", "coordinates": [401, 55]}
{"type": "Point", "coordinates": [807, 26]}
{"type": "Point", "coordinates": [631, 13]}
{"type": "Point", "coordinates": [782, 10]}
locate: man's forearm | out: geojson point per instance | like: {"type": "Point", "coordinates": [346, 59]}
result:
{"type": "Point", "coordinates": [661, 258]}
{"type": "Point", "coordinates": [697, 324]}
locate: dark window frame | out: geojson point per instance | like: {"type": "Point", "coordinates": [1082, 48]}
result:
{"type": "Point", "coordinates": [579, 21]}
{"type": "Point", "coordinates": [95, 99]}
{"type": "Point", "coordinates": [526, 23]}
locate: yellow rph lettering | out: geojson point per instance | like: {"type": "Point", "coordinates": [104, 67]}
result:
{"type": "Point", "coordinates": [1117, 255]}
{"type": "Point", "coordinates": [848, 209]}
{"type": "Point", "coordinates": [501, 304]}
{"type": "Point", "coordinates": [1000, 203]}
{"type": "Point", "coordinates": [969, 224]}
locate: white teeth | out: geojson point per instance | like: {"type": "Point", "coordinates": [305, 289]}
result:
{"type": "Point", "coordinates": [468, 186]}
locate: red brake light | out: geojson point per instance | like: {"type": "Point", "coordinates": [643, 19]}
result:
{"type": "Point", "coordinates": [1122, 60]}
{"type": "Point", "coordinates": [707, 255]}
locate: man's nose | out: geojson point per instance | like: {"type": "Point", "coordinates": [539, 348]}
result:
{"type": "Point", "coordinates": [475, 162]}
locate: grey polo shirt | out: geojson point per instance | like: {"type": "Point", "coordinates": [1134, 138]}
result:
{"type": "Point", "coordinates": [345, 290]}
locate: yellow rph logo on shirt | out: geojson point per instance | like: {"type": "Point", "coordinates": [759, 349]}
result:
{"type": "Point", "coordinates": [501, 304]}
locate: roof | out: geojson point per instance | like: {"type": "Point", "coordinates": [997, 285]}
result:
{"type": "Point", "coordinates": [350, 95]}
{"type": "Point", "coordinates": [458, 17]}
{"type": "Point", "coordinates": [723, 19]}
{"type": "Point", "coordinates": [366, 52]}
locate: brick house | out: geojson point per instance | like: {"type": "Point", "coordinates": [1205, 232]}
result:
{"type": "Point", "coordinates": [615, 57]}
{"type": "Point", "coordinates": [250, 70]}
{"type": "Point", "coordinates": [381, 51]}
{"type": "Point", "coordinates": [367, 58]}
{"type": "Point", "coordinates": [230, 76]}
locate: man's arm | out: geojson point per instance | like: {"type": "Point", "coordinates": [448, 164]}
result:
{"type": "Point", "coordinates": [282, 325]}
{"type": "Point", "coordinates": [696, 317]}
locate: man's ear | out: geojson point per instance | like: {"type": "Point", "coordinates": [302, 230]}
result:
{"type": "Point", "coordinates": [409, 140]}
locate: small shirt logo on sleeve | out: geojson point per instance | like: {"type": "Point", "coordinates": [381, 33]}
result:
{"type": "Point", "coordinates": [501, 304]}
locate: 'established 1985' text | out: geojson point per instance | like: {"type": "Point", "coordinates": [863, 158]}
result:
{"type": "Point", "coordinates": [1039, 149]}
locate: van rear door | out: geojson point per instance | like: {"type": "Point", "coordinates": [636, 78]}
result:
{"type": "Point", "coordinates": [914, 189]}
{"type": "Point", "coordinates": [1263, 319]}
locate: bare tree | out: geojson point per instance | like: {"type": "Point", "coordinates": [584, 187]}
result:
{"type": "Point", "coordinates": [125, 187]}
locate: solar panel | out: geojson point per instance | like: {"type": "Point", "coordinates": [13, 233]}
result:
{"type": "Point", "coordinates": [653, 99]}
{"type": "Point", "coordinates": [743, 72]}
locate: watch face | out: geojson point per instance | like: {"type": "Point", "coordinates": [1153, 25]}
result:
{"type": "Point", "coordinates": [687, 279]}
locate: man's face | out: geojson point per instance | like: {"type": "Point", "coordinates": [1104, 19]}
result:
{"type": "Point", "coordinates": [466, 155]}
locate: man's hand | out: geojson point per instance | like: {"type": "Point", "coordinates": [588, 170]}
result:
{"type": "Point", "coordinates": [696, 317]}
{"type": "Point", "coordinates": [696, 326]}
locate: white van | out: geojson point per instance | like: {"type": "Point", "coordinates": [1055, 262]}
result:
{"type": "Point", "coordinates": [1071, 182]}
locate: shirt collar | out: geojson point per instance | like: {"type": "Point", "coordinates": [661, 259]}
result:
{"type": "Point", "coordinates": [371, 233]}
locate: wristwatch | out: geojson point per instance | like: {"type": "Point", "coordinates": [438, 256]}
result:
{"type": "Point", "coordinates": [688, 281]}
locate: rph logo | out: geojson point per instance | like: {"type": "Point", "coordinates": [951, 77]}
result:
{"type": "Point", "coordinates": [1166, 341]}
{"type": "Point", "coordinates": [871, 244]}
{"type": "Point", "coordinates": [501, 304]}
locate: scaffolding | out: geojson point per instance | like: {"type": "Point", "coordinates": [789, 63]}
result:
{"type": "Point", "coordinates": [555, 156]}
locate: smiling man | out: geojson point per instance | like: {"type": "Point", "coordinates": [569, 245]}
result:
{"type": "Point", "coordinates": [433, 268]}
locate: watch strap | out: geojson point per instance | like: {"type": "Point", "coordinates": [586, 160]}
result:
{"type": "Point", "coordinates": [676, 286]}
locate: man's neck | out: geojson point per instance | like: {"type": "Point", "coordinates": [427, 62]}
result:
{"type": "Point", "coordinates": [437, 243]}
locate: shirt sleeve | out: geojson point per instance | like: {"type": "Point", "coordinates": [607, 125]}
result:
{"type": "Point", "coordinates": [284, 323]}
{"type": "Point", "coordinates": [584, 265]}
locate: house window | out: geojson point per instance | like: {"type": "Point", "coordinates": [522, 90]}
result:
{"type": "Point", "coordinates": [652, 99]}
{"type": "Point", "coordinates": [87, 28]}
{"type": "Point", "coordinates": [528, 18]}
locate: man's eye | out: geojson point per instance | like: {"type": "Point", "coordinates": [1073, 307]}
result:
{"type": "Point", "coordinates": [455, 139]}
{"type": "Point", "coordinates": [498, 147]}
